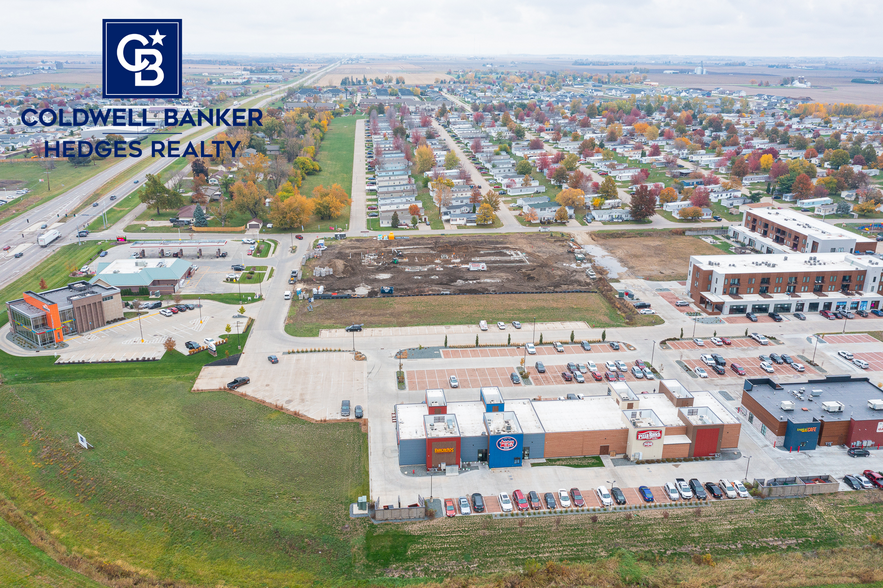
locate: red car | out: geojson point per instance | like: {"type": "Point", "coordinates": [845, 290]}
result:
{"type": "Point", "coordinates": [875, 477]}
{"type": "Point", "coordinates": [567, 377]}
{"type": "Point", "coordinates": [577, 497]}
{"type": "Point", "coordinates": [620, 377]}
{"type": "Point", "coordinates": [519, 500]}
{"type": "Point", "coordinates": [299, 237]}
{"type": "Point", "coordinates": [597, 376]}
{"type": "Point", "coordinates": [173, 310]}
{"type": "Point", "coordinates": [737, 368]}
{"type": "Point", "coordinates": [6, 248]}
{"type": "Point", "coordinates": [726, 341]}
{"type": "Point", "coordinates": [611, 377]}
{"type": "Point", "coordinates": [640, 363]}
{"type": "Point", "coordinates": [534, 499]}
{"type": "Point", "coordinates": [450, 511]}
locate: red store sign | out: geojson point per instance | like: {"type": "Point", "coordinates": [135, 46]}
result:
{"type": "Point", "coordinates": [649, 435]}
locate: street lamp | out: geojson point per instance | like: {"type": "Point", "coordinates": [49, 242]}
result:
{"type": "Point", "coordinates": [652, 352]}
{"type": "Point", "coordinates": [746, 466]}
{"type": "Point", "coordinates": [238, 342]}
{"type": "Point", "coordinates": [815, 348]}
{"type": "Point", "coordinates": [844, 320]}
{"type": "Point", "coordinates": [199, 305]}
{"type": "Point", "coordinates": [694, 328]}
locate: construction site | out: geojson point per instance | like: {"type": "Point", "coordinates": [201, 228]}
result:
{"type": "Point", "coordinates": [482, 264]}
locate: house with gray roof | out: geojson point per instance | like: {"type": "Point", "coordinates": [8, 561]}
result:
{"type": "Point", "coordinates": [163, 275]}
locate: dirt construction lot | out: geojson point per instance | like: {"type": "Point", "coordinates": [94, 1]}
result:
{"type": "Point", "coordinates": [436, 265]}
{"type": "Point", "coordinates": [654, 255]}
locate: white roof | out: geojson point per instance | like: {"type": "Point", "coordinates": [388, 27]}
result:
{"type": "Point", "coordinates": [785, 263]}
{"type": "Point", "coordinates": [589, 414]}
{"type": "Point", "coordinates": [527, 416]}
{"type": "Point", "coordinates": [708, 400]}
{"type": "Point", "coordinates": [664, 409]}
{"type": "Point", "coordinates": [470, 417]}
{"type": "Point", "coordinates": [676, 440]}
{"type": "Point", "coordinates": [806, 225]}
{"type": "Point", "coordinates": [409, 420]}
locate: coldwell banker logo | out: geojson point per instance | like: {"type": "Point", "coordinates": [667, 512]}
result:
{"type": "Point", "coordinates": [507, 443]}
{"type": "Point", "coordinates": [141, 58]}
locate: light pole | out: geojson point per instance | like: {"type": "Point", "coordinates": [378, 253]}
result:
{"type": "Point", "coordinates": [354, 345]}
{"type": "Point", "coordinates": [746, 466]}
{"type": "Point", "coordinates": [534, 336]}
{"type": "Point", "coordinates": [844, 320]}
{"type": "Point", "coordinates": [199, 304]}
{"type": "Point", "coordinates": [694, 329]}
{"type": "Point", "coordinates": [815, 348]}
{"type": "Point", "coordinates": [652, 352]}
{"type": "Point", "coordinates": [239, 283]}
{"type": "Point", "coordinates": [238, 342]}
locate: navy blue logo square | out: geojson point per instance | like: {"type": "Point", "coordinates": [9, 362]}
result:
{"type": "Point", "coordinates": [141, 58]}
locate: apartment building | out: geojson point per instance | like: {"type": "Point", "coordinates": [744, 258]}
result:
{"type": "Point", "coordinates": [736, 284]}
{"type": "Point", "coordinates": [772, 230]}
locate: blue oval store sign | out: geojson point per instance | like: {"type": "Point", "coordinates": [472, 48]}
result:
{"type": "Point", "coordinates": [507, 443]}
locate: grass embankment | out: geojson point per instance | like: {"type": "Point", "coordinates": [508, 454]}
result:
{"type": "Point", "coordinates": [452, 310]}
{"type": "Point", "coordinates": [592, 461]}
{"type": "Point", "coordinates": [55, 270]}
{"type": "Point", "coordinates": [186, 488]}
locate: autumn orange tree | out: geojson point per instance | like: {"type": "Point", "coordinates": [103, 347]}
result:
{"type": "Point", "coordinates": [249, 198]}
{"type": "Point", "coordinates": [802, 187]}
{"type": "Point", "coordinates": [574, 198]}
{"type": "Point", "coordinates": [690, 213]}
{"type": "Point", "coordinates": [425, 159]}
{"type": "Point", "coordinates": [668, 195]}
{"type": "Point", "coordinates": [329, 202]}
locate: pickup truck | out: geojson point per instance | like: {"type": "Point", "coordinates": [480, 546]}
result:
{"type": "Point", "coordinates": [684, 488]}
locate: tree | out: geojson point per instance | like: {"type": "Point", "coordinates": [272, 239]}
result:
{"type": "Point", "coordinates": [476, 145]}
{"type": "Point", "coordinates": [199, 167]}
{"type": "Point", "coordinates": [442, 193]}
{"type": "Point", "coordinates": [156, 194]}
{"type": "Point", "coordinates": [395, 220]}
{"type": "Point", "coordinates": [802, 187]}
{"type": "Point", "coordinates": [543, 162]}
{"type": "Point", "coordinates": [414, 221]}
{"type": "Point", "coordinates": [523, 167]}
{"type": "Point", "coordinates": [560, 175]}
{"type": "Point", "coordinates": [485, 214]}
{"type": "Point", "coordinates": [700, 197]}
{"type": "Point", "coordinates": [425, 159]}
{"type": "Point", "coordinates": [668, 195]}
{"type": "Point", "coordinates": [293, 211]}
{"type": "Point", "coordinates": [561, 215]}
{"type": "Point", "coordinates": [643, 203]}
{"type": "Point", "coordinates": [169, 344]}
{"type": "Point", "coordinates": [527, 180]}
{"type": "Point", "coordinates": [531, 216]}
{"type": "Point", "coordinates": [326, 205]}
{"type": "Point", "coordinates": [475, 195]}
{"type": "Point", "coordinates": [691, 212]}
{"type": "Point", "coordinates": [766, 162]}
{"type": "Point", "coordinates": [413, 210]}
{"type": "Point", "coordinates": [865, 208]}
{"type": "Point", "coordinates": [43, 285]}
{"type": "Point", "coordinates": [199, 219]}
{"type": "Point", "coordinates": [254, 166]}
{"type": "Point", "coordinates": [740, 167]}
{"type": "Point", "coordinates": [570, 161]}
{"type": "Point", "coordinates": [608, 189]}
{"type": "Point", "coordinates": [492, 199]}
{"type": "Point", "coordinates": [451, 160]}
{"type": "Point", "coordinates": [837, 158]}
{"type": "Point", "coordinates": [842, 207]}
{"type": "Point", "coordinates": [575, 199]}
{"type": "Point", "coordinates": [249, 198]}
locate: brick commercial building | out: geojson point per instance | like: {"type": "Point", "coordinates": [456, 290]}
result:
{"type": "Point", "coordinates": [772, 230]}
{"type": "Point", "coordinates": [671, 423]}
{"type": "Point", "coordinates": [836, 410]}
{"type": "Point", "coordinates": [44, 319]}
{"type": "Point", "coordinates": [736, 284]}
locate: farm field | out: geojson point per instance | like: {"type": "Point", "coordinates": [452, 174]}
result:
{"type": "Point", "coordinates": [453, 310]}
{"type": "Point", "coordinates": [654, 255]}
{"type": "Point", "coordinates": [413, 73]}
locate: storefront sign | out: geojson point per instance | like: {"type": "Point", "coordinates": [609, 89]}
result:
{"type": "Point", "coordinates": [807, 430]}
{"type": "Point", "coordinates": [507, 443]}
{"type": "Point", "coordinates": [648, 443]}
{"type": "Point", "coordinates": [880, 427]}
{"type": "Point", "coordinates": [444, 450]}
{"type": "Point", "coordinates": [649, 435]}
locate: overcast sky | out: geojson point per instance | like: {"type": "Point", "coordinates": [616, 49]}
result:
{"type": "Point", "coordinates": [540, 27]}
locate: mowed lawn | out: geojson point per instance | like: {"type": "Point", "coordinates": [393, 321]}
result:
{"type": "Point", "coordinates": [202, 489]}
{"type": "Point", "coordinates": [452, 310]}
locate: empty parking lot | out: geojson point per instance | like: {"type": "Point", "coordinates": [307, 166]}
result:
{"type": "Point", "coordinates": [709, 346]}
{"type": "Point", "coordinates": [519, 351]}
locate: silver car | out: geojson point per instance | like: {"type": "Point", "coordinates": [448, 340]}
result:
{"type": "Point", "coordinates": [455, 383]}
{"type": "Point", "coordinates": [638, 372]}
{"type": "Point", "coordinates": [648, 373]}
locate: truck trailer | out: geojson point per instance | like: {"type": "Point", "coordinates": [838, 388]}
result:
{"type": "Point", "coordinates": [48, 237]}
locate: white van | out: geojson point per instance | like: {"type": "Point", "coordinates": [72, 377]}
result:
{"type": "Point", "coordinates": [860, 363]}
{"type": "Point", "coordinates": [482, 325]}
{"type": "Point", "coordinates": [287, 295]}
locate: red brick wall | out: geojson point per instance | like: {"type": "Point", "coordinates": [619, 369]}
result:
{"type": "Point", "coordinates": [585, 442]}
{"type": "Point", "coordinates": [676, 450]}
{"type": "Point", "coordinates": [730, 438]}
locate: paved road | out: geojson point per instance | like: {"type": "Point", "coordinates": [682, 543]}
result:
{"type": "Point", "coordinates": [21, 233]}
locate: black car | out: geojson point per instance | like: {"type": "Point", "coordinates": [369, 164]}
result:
{"type": "Point", "coordinates": [802, 317]}
{"type": "Point", "coordinates": [787, 359]}
{"type": "Point", "coordinates": [17, 255]}
{"type": "Point", "coordinates": [837, 314]}
{"type": "Point", "coordinates": [776, 358]}
{"type": "Point", "coordinates": [541, 369]}
{"type": "Point", "coordinates": [719, 359]}
{"type": "Point", "coordinates": [477, 502]}
{"type": "Point", "coordinates": [516, 379]}
{"type": "Point", "coordinates": [237, 382]}
{"type": "Point", "coordinates": [113, 197]}
{"type": "Point", "coordinates": [354, 328]}
{"type": "Point", "coordinates": [617, 495]}
{"type": "Point", "coordinates": [858, 452]}
{"type": "Point", "coordinates": [862, 313]}
{"type": "Point", "coordinates": [775, 316]}
{"type": "Point", "coordinates": [765, 358]}
{"type": "Point", "coordinates": [272, 359]}
{"type": "Point", "coordinates": [182, 307]}
{"type": "Point", "coordinates": [357, 412]}
{"type": "Point", "coordinates": [586, 346]}
{"type": "Point", "coordinates": [82, 233]}
{"type": "Point", "coordinates": [698, 490]}
{"type": "Point", "coordinates": [190, 306]}
{"type": "Point", "coordinates": [550, 501]}
{"type": "Point", "coordinates": [718, 370]}
{"type": "Point", "coordinates": [640, 305]}
{"type": "Point", "coordinates": [237, 267]}
{"type": "Point", "coordinates": [614, 345]}
{"type": "Point", "coordinates": [852, 482]}
{"type": "Point", "coordinates": [717, 218]}
{"type": "Point", "coordinates": [751, 316]}
{"type": "Point", "coordinates": [714, 490]}
{"type": "Point", "coordinates": [191, 345]}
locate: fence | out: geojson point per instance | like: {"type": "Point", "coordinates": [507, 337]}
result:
{"type": "Point", "coordinates": [797, 486]}
{"type": "Point", "coordinates": [695, 232]}
{"type": "Point", "coordinates": [218, 229]}
{"type": "Point", "coordinates": [392, 513]}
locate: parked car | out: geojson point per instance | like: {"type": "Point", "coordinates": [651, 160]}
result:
{"type": "Point", "coordinates": [501, 325]}
{"type": "Point", "coordinates": [564, 498]}
{"type": "Point", "coordinates": [726, 341]}
{"type": "Point", "coordinates": [166, 312]}
{"type": "Point", "coordinates": [727, 488]}
{"type": "Point", "coordinates": [767, 367]}
{"type": "Point", "coordinates": [583, 368]}
{"type": "Point", "coordinates": [191, 345]}
{"type": "Point", "coordinates": [775, 316]}
{"type": "Point", "coordinates": [751, 316]}
{"type": "Point", "coordinates": [620, 377]}
{"type": "Point", "coordinates": [549, 499]}
{"type": "Point", "coordinates": [571, 367]}
{"type": "Point", "coordinates": [505, 502]}
{"type": "Point", "coordinates": [354, 328]}
{"type": "Point", "coordinates": [800, 316]}
{"type": "Point", "coordinates": [716, 341]}
{"type": "Point", "coordinates": [596, 376]}
{"type": "Point", "coordinates": [604, 496]}
{"type": "Point", "coordinates": [684, 488]}
{"type": "Point", "coordinates": [682, 303]}
{"type": "Point", "coordinates": [534, 500]}
{"type": "Point", "coordinates": [238, 382]}
{"type": "Point", "coordinates": [741, 490]}
{"type": "Point", "coordinates": [858, 452]}
{"type": "Point", "coordinates": [516, 324]}
{"type": "Point", "coordinates": [559, 347]}
{"type": "Point", "coordinates": [698, 490]}
{"type": "Point", "coordinates": [614, 345]}
{"type": "Point", "coordinates": [853, 482]}
{"type": "Point", "coordinates": [477, 503]}
{"type": "Point", "coordinates": [531, 350]}
{"type": "Point", "coordinates": [714, 490]}
{"type": "Point", "coordinates": [464, 506]}
{"type": "Point", "coordinates": [799, 367]}
{"type": "Point", "coordinates": [454, 382]}
{"type": "Point", "coordinates": [699, 342]}
{"type": "Point", "coordinates": [847, 355]}
{"type": "Point", "coordinates": [450, 510]}
{"type": "Point", "coordinates": [237, 267]}
{"type": "Point", "coordinates": [637, 372]}
{"type": "Point", "coordinates": [699, 371]}
{"type": "Point", "coordinates": [645, 493]}
{"type": "Point", "coordinates": [827, 314]}
{"type": "Point", "coordinates": [618, 496]}
{"type": "Point", "coordinates": [862, 313]}
{"type": "Point", "coordinates": [520, 500]}
{"type": "Point", "coordinates": [718, 370]}
{"type": "Point", "coordinates": [877, 312]}
{"type": "Point", "coordinates": [580, 379]}
{"type": "Point", "coordinates": [671, 491]}
{"type": "Point", "coordinates": [648, 373]}
{"type": "Point", "coordinates": [273, 359]}
{"type": "Point", "coordinates": [541, 369]}
{"type": "Point", "coordinates": [866, 483]}
{"type": "Point", "coordinates": [585, 345]}
{"type": "Point", "coordinates": [875, 477]}
{"type": "Point", "coordinates": [621, 366]}
{"type": "Point", "coordinates": [357, 412]}
{"type": "Point", "coordinates": [516, 379]}
{"type": "Point", "coordinates": [610, 376]}
{"type": "Point", "coordinates": [707, 359]}
{"type": "Point", "coordinates": [776, 358]}
{"type": "Point", "coordinates": [591, 365]}
{"type": "Point", "coordinates": [787, 358]}
{"type": "Point", "coordinates": [577, 497]}
{"type": "Point", "coordinates": [567, 377]}
{"type": "Point", "coordinates": [345, 408]}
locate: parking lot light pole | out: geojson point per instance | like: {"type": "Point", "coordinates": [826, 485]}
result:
{"type": "Point", "coordinates": [815, 348]}
{"type": "Point", "coordinates": [694, 328]}
{"type": "Point", "coordinates": [844, 322]}
{"type": "Point", "coordinates": [746, 467]}
{"type": "Point", "coordinates": [652, 352]}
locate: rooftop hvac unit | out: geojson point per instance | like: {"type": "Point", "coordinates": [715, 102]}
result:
{"type": "Point", "coordinates": [875, 404]}
{"type": "Point", "coordinates": [832, 406]}
{"type": "Point", "coordinates": [786, 405]}
{"type": "Point", "coordinates": [816, 391]}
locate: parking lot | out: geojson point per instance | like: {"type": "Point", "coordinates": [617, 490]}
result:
{"type": "Point", "coordinates": [710, 347]}
{"type": "Point", "coordinates": [673, 298]}
{"type": "Point", "coordinates": [519, 351]}
{"type": "Point", "coordinates": [751, 365]}
{"type": "Point", "coordinates": [844, 339]}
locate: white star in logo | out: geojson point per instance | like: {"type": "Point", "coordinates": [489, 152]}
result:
{"type": "Point", "coordinates": [157, 38]}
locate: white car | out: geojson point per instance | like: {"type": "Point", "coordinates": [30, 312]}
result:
{"type": "Point", "coordinates": [700, 371]}
{"type": "Point", "coordinates": [707, 359]}
{"type": "Point", "coordinates": [505, 502]}
{"type": "Point", "coordinates": [866, 483]}
{"type": "Point", "coordinates": [604, 496]}
{"type": "Point", "coordinates": [671, 491]}
{"type": "Point", "coordinates": [767, 367]}
{"type": "Point", "coordinates": [531, 350]}
{"type": "Point", "coordinates": [455, 383]}
{"type": "Point", "coordinates": [648, 373]}
{"type": "Point", "coordinates": [727, 489]}
{"type": "Point", "coordinates": [699, 342]}
{"type": "Point", "coordinates": [516, 324]}
{"type": "Point", "coordinates": [799, 367]}
{"type": "Point", "coordinates": [208, 341]}
{"type": "Point", "coordinates": [501, 325]}
{"type": "Point", "coordinates": [166, 312]}
{"type": "Point", "coordinates": [621, 366]}
{"type": "Point", "coordinates": [611, 367]}
{"type": "Point", "coordinates": [859, 362]}
{"type": "Point", "coordinates": [233, 277]}
{"type": "Point", "coordinates": [591, 365]}
{"type": "Point", "coordinates": [845, 355]}
{"type": "Point", "coordinates": [684, 489]}
{"type": "Point", "coordinates": [646, 311]}
{"type": "Point", "coordinates": [559, 347]}
{"type": "Point", "coordinates": [464, 506]}
{"type": "Point", "coordinates": [741, 490]}
{"type": "Point", "coordinates": [564, 498]}
{"type": "Point", "coordinates": [249, 241]}
{"type": "Point", "coordinates": [716, 341]}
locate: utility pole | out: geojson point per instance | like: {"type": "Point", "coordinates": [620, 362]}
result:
{"type": "Point", "coordinates": [199, 304]}
{"type": "Point", "coordinates": [746, 467]}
